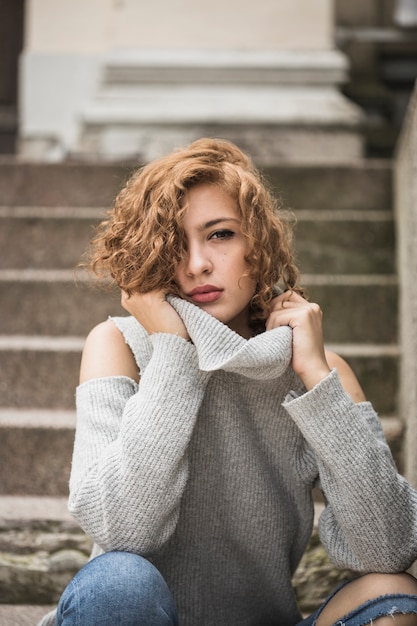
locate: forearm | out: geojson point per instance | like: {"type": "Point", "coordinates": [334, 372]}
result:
{"type": "Point", "coordinates": [127, 484]}
{"type": "Point", "coordinates": [370, 520]}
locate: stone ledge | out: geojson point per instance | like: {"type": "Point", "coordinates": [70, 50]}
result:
{"type": "Point", "coordinates": [22, 615]}
{"type": "Point", "coordinates": [33, 509]}
{"type": "Point", "coordinates": [38, 557]}
{"type": "Point", "coordinates": [225, 66]}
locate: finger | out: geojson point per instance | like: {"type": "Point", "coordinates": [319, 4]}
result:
{"type": "Point", "coordinates": [286, 300]}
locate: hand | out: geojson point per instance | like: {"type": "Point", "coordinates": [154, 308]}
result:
{"type": "Point", "coordinates": [154, 313]}
{"type": "Point", "coordinates": [305, 318]}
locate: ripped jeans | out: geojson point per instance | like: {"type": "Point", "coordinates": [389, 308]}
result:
{"type": "Point", "coordinates": [118, 588]}
{"type": "Point", "coordinates": [367, 613]}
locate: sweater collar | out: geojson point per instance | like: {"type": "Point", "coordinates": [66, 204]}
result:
{"type": "Point", "coordinates": [265, 356]}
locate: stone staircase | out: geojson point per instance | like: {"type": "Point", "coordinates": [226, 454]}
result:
{"type": "Point", "coordinates": [345, 244]}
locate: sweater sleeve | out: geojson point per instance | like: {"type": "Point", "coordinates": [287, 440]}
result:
{"type": "Point", "coordinates": [130, 455]}
{"type": "Point", "coordinates": [370, 520]}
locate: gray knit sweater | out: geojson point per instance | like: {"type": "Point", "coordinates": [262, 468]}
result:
{"type": "Point", "coordinates": [206, 469]}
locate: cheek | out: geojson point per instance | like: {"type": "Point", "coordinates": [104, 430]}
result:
{"type": "Point", "coordinates": [179, 275]}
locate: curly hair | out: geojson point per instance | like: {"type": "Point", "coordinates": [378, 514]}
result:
{"type": "Point", "coordinates": [142, 242]}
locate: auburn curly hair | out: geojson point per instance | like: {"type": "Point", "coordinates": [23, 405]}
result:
{"type": "Point", "coordinates": [142, 242]}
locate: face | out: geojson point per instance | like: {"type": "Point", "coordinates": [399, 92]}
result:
{"type": "Point", "coordinates": [212, 275]}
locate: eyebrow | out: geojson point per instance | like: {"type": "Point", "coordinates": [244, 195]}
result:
{"type": "Point", "coordinates": [218, 220]}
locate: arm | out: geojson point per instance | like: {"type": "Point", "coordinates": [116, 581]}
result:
{"type": "Point", "coordinates": [130, 455]}
{"type": "Point", "coordinates": [369, 523]}
{"type": "Point", "coordinates": [370, 519]}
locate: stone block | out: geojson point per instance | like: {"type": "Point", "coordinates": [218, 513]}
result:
{"type": "Point", "coordinates": [358, 185]}
{"type": "Point", "coordinates": [378, 374]}
{"type": "Point", "coordinates": [35, 452]}
{"type": "Point", "coordinates": [45, 237]}
{"type": "Point", "coordinates": [349, 316]}
{"type": "Point", "coordinates": [40, 376]}
{"type": "Point", "coordinates": [346, 246]}
{"type": "Point", "coordinates": [22, 614]}
{"type": "Point", "coordinates": [54, 307]}
{"type": "Point", "coordinates": [66, 184]}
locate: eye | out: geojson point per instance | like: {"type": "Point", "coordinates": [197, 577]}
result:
{"type": "Point", "coordinates": [222, 234]}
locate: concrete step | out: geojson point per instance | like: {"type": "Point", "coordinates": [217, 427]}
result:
{"type": "Point", "coordinates": [345, 242]}
{"type": "Point", "coordinates": [364, 185]}
{"type": "Point", "coordinates": [377, 369]}
{"type": "Point", "coordinates": [45, 237]}
{"type": "Point", "coordinates": [356, 308]}
{"type": "Point", "coordinates": [35, 510]}
{"type": "Point", "coordinates": [40, 556]}
{"type": "Point", "coordinates": [49, 302]}
{"type": "Point", "coordinates": [36, 449]}
{"type": "Point", "coordinates": [41, 548]}
{"type": "Point", "coordinates": [52, 302]}
{"type": "Point", "coordinates": [360, 185]}
{"type": "Point", "coordinates": [22, 614]}
{"type": "Point", "coordinates": [64, 184]}
{"type": "Point", "coordinates": [42, 372]}
{"type": "Point", "coordinates": [39, 372]}
{"type": "Point", "coordinates": [340, 241]}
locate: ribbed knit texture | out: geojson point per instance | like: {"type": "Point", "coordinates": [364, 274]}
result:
{"type": "Point", "coordinates": [206, 468]}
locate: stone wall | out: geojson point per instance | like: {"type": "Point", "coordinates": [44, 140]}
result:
{"type": "Point", "coordinates": [406, 217]}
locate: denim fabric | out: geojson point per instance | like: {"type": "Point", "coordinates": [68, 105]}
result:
{"type": "Point", "coordinates": [117, 588]}
{"type": "Point", "coordinates": [123, 588]}
{"type": "Point", "coordinates": [391, 605]}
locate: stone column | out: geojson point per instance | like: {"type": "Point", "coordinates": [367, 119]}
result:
{"type": "Point", "coordinates": [405, 13]}
{"type": "Point", "coordinates": [117, 78]}
{"type": "Point", "coordinates": [406, 218]}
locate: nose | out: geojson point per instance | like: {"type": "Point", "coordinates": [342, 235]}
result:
{"type": "Point", "coordinates": [198, 260]}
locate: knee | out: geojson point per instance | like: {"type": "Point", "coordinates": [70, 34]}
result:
{"type": "Point", "coordinates": [364, 589]}
{"type": "Point", "coordinates": [122, 582]}
{"type": "Point", "coordinates": [124, 574]}
{"type": "Point", "coordinates": [375, 585]}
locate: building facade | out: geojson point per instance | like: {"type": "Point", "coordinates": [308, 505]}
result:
{"type": "Point", "coordinates": [117, 79]}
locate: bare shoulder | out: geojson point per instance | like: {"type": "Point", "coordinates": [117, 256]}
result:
{"type": "Point", "coordinates": [347, 377]}
{"type": "Point", "coordinates": [107, 354]}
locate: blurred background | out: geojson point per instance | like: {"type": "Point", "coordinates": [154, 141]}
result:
{"type": "Point", "coordinates": [290, 79]}
{"type": "Point", "coordinates": [319, 93]}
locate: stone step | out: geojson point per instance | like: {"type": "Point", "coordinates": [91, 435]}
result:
{"type": "Point", "coordinates": [39, 556]}
{"type": "Point", "coordinates": [52, 302]}
{"type": "Point", "coordinates": [342, 241]}
{"type": "Point", "coordinates": [39, 372]}
{"type": "Point", "coordinates": [359, 185]}
{"type": "Point", "coordinates": [377, 369]}
{"type": "Point", "coordinates": [345, 242]}
{"type": "Point", "coordinates": [36, 449]}
{"type": "Point", "coordinates": [49, 302]}
{"type": "Point", "coordinates": [41, 548]}
{"type": "Point", "coordinates": [63, 184]}
{"type": "Point", "coordinates": [42, 372]}
{"type": "Point", "coordinates": [22, 614]}
{"type": "Point", "coordinates": [34, 510]}
{"type": "Point", "coordinates": [352, 306]}
{"type": "Point", "coordinates": [364, 185]}
{"type": "Point", "coordinates": [45, 237]}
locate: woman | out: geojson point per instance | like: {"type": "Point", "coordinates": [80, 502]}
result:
{"type": "Point", "coordinates": [206, 417]}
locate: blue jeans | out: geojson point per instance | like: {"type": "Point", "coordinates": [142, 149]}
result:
{"type": "Point", "coordinates": [119, 588]}
{"type": "Point", "coordinates": [388, 605]}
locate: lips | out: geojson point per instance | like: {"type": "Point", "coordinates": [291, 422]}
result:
{"type": "Point", "coordinates": [205, 293]}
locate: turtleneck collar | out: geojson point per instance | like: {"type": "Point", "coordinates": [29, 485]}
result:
{"type": "Point", "coordinates": [265, 356]}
